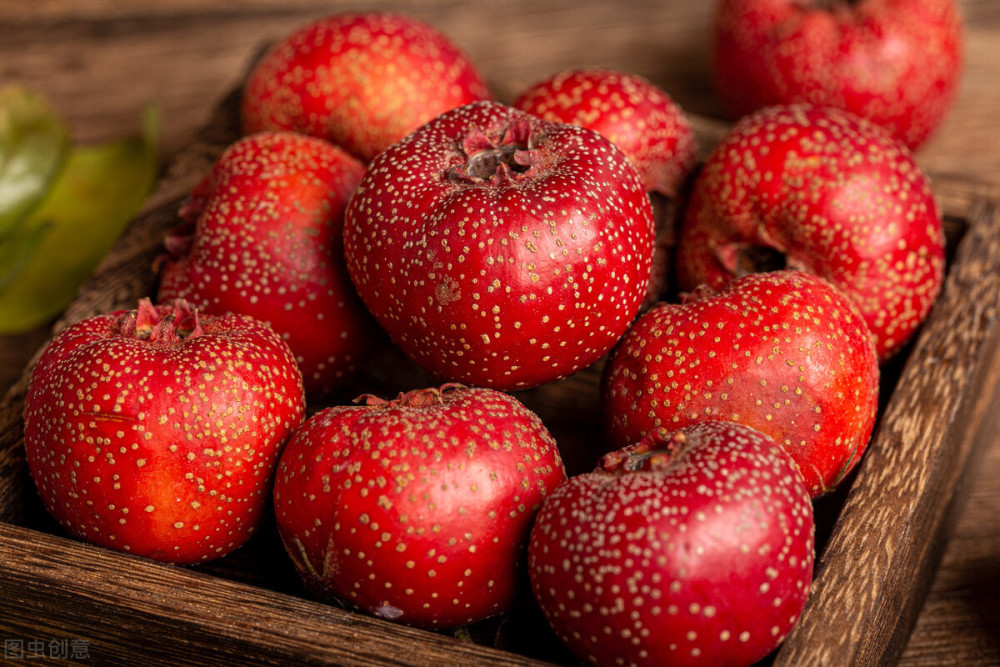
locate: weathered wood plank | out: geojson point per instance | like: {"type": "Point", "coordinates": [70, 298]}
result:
{"type": "Point", "coordinates": [960, 621]}
{"type": "Point", "coordinates": [130, 609]}
{"type": "Point", "coordinates": [174, 53]}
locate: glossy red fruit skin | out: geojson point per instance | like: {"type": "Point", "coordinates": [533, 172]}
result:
{"type": "Point", "coordinates": [644, 122]}
{"type": "Point", "coordinates": [498, 249]}
{"type": "Point", "coordinates": [895, 62]}
{"type": "Point", "coordinates": [156, 432]}
{"type": "Point", "coordinates": [417, 510]}
{"type": "Point", "coordinates": [836, 196]}
{"type": "Point", "coordinates": [688, 548]}
{"type": "Point", "coordinates": [263, 237]}
{"type": "Point", "coordinates": [635, 114]}
{"type": "Point", "coordinates": [783, 352]}
{"type": "Point", "coordinates": [362, 81]}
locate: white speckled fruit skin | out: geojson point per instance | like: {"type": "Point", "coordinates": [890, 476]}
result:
{"type": "Point", "coordinates": [417, 510]}
{"type": "Point", "coordinates": [508, 281]}
{"type": "Point", "coordinates": [689, 548]}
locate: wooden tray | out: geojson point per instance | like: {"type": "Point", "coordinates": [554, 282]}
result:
{"type": "Point", "coordinates": [880, 536]}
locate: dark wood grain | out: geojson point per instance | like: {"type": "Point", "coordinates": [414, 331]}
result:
{"type": "Point", "coordinates": [959, 623]}
{"type": "Point", "coordinates": [131, 610]}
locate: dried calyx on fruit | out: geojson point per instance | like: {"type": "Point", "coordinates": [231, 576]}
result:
{"type": "Point", "coordinates": [655, 451]}
{"type": "Point", "coordinates": [146, 323]}
{"type": "Point", "coordinates": [415, 398]}
{"type": "Point", "coordinates": [497, 161]}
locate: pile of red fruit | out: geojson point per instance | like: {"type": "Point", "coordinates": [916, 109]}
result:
{"type": "Point", "coordinates": [380, 190]}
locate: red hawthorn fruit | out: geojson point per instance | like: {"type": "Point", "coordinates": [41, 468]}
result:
{"type": "Point", "coordinates": [690, 548]}
{"type": "Point", "coordinates": [783, 352]}
{"type": "Point", "coordinates": [499, 249]}
{"type": "Point", "coordinates": [639, 117]}
{"type": "Point", "coordinates": [822, 191]}
{"type": "Point", "coordinates": [156, 431]}
{"type": "Point", "coordinates": [644, 122]}
{"type": "Point", "coordinates": [263, 237]}
{"type": "Point", "coordinates": [362, 81]}
{"type": "Point", "coordinates": [417, 510]}
{"type": "Point", "coordinates": [896, 62]}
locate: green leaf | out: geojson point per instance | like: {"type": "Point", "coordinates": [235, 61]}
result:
{"type": "Point", "coordinates": [34, 142]}
{"type": "Point", "coordinates": [17, 248]}
{"type": "Point", "coordinates": [97, 193]}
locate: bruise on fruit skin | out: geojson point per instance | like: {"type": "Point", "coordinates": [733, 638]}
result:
{"type": "Point", "coordinates": [707, 550]}
{"type": "Point", "coordinates": [783, 352]}
{"type": "Point", "coordinates": [637, 116]}
{"type": "Point", "coordinates": [510, 281]}
{"type": "Point", "coordinates": [161, 447]}
{"type": "Point", "coordinates": [262, 236]}
{"type": "Point", "coordinates": [359, 80]}
{"type": "Point", "coordinates": [838, 197]}
{"type": "Point", "coordinates": [416, 509]}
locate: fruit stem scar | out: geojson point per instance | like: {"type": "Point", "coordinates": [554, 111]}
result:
{"type": "Point", "coordinates": [655, 451]}
{"type": "Point", "coordinates": [416, 398]}
{"type": "Point", "coordinates": [742, 259]}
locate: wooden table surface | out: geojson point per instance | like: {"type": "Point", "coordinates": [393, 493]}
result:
{"type": "Point", "coordinates": [100, 61]}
